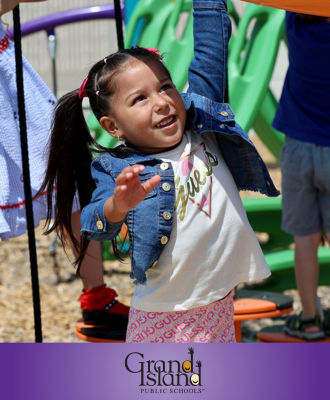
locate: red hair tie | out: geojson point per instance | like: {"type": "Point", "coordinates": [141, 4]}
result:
{"type": "Point", "coordinates": [153, 51]}
{"type": "Point", "coordinates": [82, 92]}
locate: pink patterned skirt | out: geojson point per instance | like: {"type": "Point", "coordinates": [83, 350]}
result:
{"type": "Point", "coordinates": [213, 323]}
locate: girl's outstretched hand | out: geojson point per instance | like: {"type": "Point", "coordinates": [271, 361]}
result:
{"type": "Point", "coordinates": [129, 192]}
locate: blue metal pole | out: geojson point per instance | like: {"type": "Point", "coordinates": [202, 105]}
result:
{"type": "Point", "coordinates": [129, 7]}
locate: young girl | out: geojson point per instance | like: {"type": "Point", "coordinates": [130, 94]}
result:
{"type": "Point", "coordinates": [174, 183]}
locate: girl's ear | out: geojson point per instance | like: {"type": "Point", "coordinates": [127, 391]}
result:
{"type": "Point", "coordinates": [109, 125]}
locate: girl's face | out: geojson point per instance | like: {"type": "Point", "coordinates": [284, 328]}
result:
{"type": "Point", "coordinates": [148, 111]}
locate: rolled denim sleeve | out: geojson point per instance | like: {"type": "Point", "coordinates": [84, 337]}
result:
{"type": "Point", "coordinates": [212, 31]}
{"type": "Point", "coordinates": [94, 224]}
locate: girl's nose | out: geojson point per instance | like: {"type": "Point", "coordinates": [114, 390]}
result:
{"type": "Point", "coordinates": [160, 103]}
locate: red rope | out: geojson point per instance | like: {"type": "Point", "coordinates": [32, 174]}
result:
{"type": "Point", "coordinates": [22, 203]}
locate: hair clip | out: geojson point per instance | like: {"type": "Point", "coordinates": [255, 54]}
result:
{"type": "Point", "coordinates": [105, 61]}
{"type": "Point", "coordinates": [153, 51]}
{"type": "Point", "coordinates": [82, 92]}
{"type": "Point", "coordinates": [97, 93]}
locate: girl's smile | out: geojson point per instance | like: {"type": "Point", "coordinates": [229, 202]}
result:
{"type": "Point", "coordinates": [148, 111]}
{"type": "Point", "coordinates": [166, 122]}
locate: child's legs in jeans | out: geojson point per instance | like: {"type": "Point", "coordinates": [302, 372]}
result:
{"type": "Point", "coordinates": [212, 30]}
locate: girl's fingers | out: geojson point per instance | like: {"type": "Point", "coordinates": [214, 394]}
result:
{"type": "Point", "coordinates": [151, 183]}
{"type": "Point", "coordinates": [128, 173]}
{"type": "Point", "coordinates": [128, 195]}
{"type": "Point", "coordinates": [121, 188]}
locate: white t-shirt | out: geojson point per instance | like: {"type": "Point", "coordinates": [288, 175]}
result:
{"type": "Point", "coordinates": [212, 247]}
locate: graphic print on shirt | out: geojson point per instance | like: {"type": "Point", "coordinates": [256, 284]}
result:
{"type": "Point", "coordinates": [193, 181]}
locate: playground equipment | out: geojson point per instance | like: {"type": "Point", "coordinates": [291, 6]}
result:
{"type": "Point", "coordinates": [249, 74]}
{"type": "Point", "coordinates": [250, 66]}
{"type": "Point", "coordinates": [52, 21]}
{"type": "Point", "coordinates": [160, 20]}
{"type": "Point", "coordinates": [258, 305]}
{"type": "Point", "coordinates": [99, 334]}
{"type": "Point", "coordinates": [160, 31]}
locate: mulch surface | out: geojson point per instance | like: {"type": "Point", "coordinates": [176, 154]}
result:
{"type": "Point", "coordinates": [60, 288]}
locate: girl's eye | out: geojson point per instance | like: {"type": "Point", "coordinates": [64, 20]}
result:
{"type": "Point", "coordinates": [138, 99]}
{"type": "Point", "coordinates": [165, 87]}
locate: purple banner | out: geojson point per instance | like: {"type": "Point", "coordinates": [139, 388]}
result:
{"type": "Point", "coordinates": [164, 371]}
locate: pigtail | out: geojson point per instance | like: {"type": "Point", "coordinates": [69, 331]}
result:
{"type": "Point", "coordinates": [70, 155]}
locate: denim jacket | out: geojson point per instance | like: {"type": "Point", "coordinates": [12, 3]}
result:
{"type": "Point", "coordinates": [150, 222]}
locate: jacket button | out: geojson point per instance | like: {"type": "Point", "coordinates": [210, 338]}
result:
{"type": "Point", "coordinates": [167, 215]}
{"type": "Point", "coordinates": [268, 183]}
{"type": "Point", "coordinates": [164, 240]}
{"type": "Point", "coordinates": [200, 126]}
{"type": "Point", "coordinates": [99, 223]}
{"type": "Point", "coordinates": [164, 166]}
{"type": "Point", "coordinates": [223, 113]}
{"type": "Point", "coordinates": [166, 187]}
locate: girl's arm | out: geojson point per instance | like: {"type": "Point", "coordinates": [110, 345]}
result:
{"type": "Point", "coordinates": [212, 30]}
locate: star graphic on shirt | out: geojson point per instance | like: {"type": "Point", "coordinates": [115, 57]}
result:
{"type": "Point", "coordinates": [198, 176]}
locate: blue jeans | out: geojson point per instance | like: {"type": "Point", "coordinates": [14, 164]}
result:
{"type": "Point", "coordinates": [208, 78]}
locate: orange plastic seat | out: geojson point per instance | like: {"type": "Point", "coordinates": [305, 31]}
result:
{"type": "Point", "coordinates": [247, 308]}
{"type": "Point", "coordinates": [318, 7]}
{"type": "Point", "coordinates": [252, 306]}
{"type": "Point", "coordinates": [92, 333]}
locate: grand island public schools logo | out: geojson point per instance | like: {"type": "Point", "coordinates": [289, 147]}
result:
{"type": "Point", "coordinates": [176, 376]}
